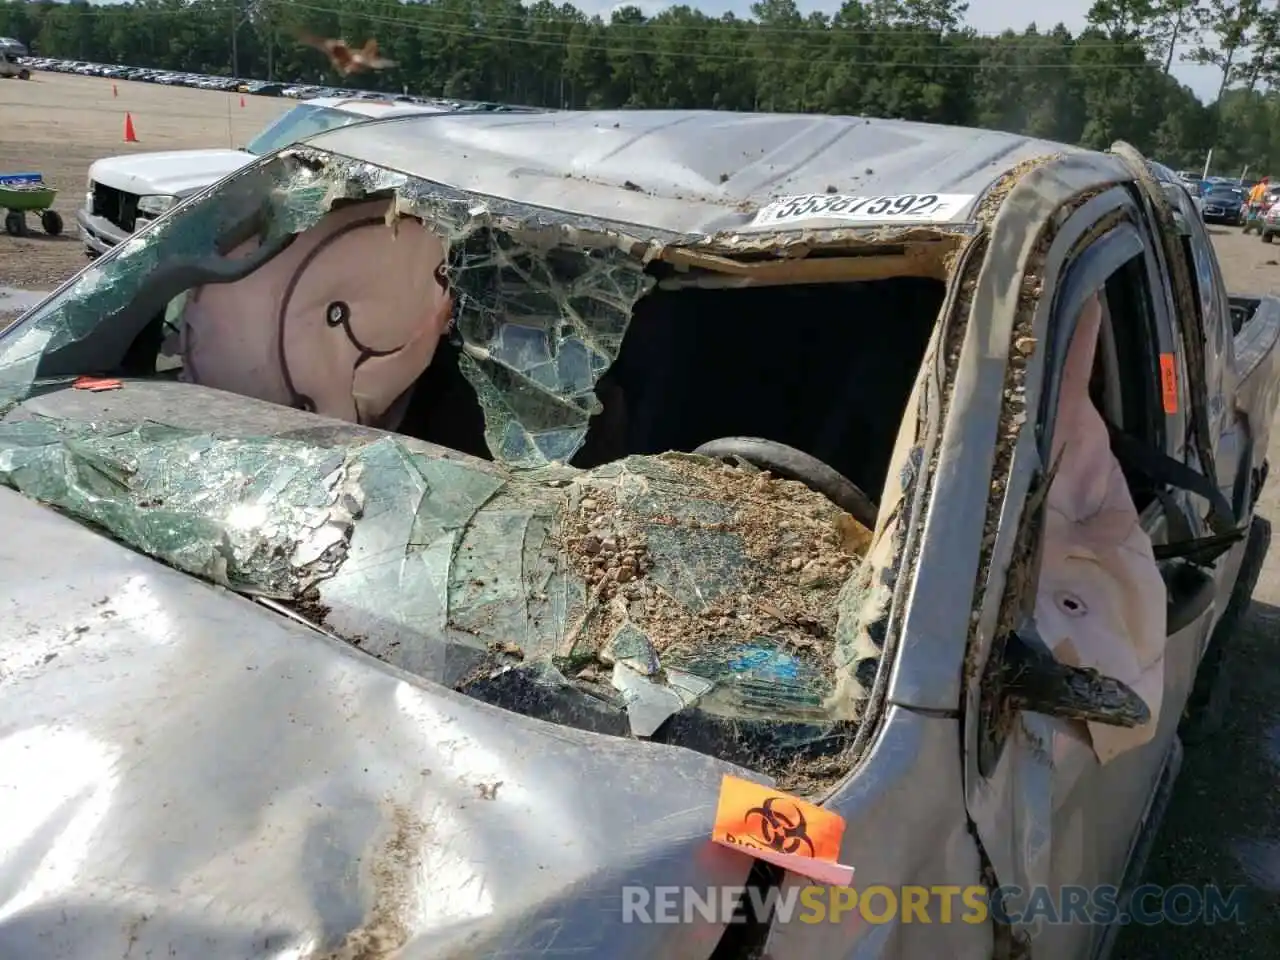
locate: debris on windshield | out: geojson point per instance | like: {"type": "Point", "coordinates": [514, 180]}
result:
{"type": "Point", "coordinates": [721, 572]}
{"type": "Point", "coordinates": [690, 537]}
{"type": "Point", "coordinates": [649, 586]}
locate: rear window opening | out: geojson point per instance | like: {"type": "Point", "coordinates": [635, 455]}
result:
{"type": "Point", "coordinates": [825, 368]}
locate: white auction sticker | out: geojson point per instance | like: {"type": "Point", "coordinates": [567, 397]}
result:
{"type": "Point", "coordinates": [922, 207]}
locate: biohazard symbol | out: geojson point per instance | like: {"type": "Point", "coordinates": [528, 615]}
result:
{"type": "Point", "coordinates": [786, 831]}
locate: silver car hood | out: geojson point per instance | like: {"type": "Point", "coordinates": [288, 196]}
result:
{"type": "Point", "coordinates": [184, 773]}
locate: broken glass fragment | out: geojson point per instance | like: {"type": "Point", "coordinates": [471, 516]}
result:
{"type": "Point", "coordinates": [538, 329]}
{"type": "Point", "coordinates": [266, 516]}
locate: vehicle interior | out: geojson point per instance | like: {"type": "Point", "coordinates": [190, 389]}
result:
{"type": "Point", "coordinates": [1125, 387]}
{"type": "Point", "coordinates": [1124, 371]}
{"type": "Point", "coordinates": [1097, 432]}
{"type": "Point", "coordinates": [776, 363]}
{"type": "Point", "coordinates": [1243, 309]}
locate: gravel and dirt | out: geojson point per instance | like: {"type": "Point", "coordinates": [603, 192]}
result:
{"type": "Point", "coordinates": [57, 124]}
{"type": "Point", "coordinates": [1224, 824]}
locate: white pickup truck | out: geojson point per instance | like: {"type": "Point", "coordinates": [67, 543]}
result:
{"type": "Point", "coordinates": [129, 191]}
{"type": "Point", "coordinates": [11, 66]}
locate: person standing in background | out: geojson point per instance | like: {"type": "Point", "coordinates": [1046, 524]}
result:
{"type": "Point", "coordinates": [1259, 191]}
{"type": "Point", "coordinates": [1253, 204]}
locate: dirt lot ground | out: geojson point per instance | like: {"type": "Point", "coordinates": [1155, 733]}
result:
{"type": "Point", "coordinates": [58, 124]}
{"type": "Point", "coordinates": [1224, 825]}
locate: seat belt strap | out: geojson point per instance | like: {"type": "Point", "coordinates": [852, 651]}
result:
{"type": "Point", "coordinates": [1164, 470]}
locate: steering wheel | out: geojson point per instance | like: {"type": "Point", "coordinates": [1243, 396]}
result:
{"type": "Point", "coordinates": [792, 464]}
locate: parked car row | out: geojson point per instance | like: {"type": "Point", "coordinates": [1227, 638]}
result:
{"type": "Point", "coordinates": [1222, 200]}
{"type": "Point", "coordinates": [124, 193]}
{"type": "Point", "coordinates": [262, 88]}
{"type": "Point", "coordinates": [1225, 200]}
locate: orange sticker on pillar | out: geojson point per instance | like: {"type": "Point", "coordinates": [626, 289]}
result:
{"type": "Point", "coordinates": [781, 829]}
{"type": "Point", "coordinates": [1169, 382]}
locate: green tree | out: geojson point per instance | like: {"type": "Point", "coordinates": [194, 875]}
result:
{"type": "Point", "coordinates": [914, 59]}
{"type": "Point", "coordinates": [1232, 23]}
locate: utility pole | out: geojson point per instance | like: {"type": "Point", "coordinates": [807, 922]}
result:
{"type": "Point", "coordinates": [235, 51]}
{"type": "Point", "coordinates": [262, 15]}
{"type": "Point", "coordinates": [237, 21]}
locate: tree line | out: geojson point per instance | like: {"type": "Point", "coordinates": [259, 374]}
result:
{"type": "Point", "coordinates": [914, 59]}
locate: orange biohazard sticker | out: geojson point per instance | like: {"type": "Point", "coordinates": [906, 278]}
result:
{"type": "Point", "coordinates": [1169, 382]}
{"type": "Point", "coordinates": [781, 829]}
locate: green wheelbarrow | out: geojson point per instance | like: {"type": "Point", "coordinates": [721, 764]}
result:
{"type": "Point", "coordinates": [1253, 215]}
{"type": "Point", "coordinates": [23, 193]}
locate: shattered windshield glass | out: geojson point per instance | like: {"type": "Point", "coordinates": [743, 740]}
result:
{"type": "Point", "coordinates": [303, 121]}
{"type": "Point", "coordinates": [671, 596]}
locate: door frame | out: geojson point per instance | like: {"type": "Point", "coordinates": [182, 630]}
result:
{"type": "Point", "coordinates": [1009, 803]}
{"type": "Point", "coordinates": [1009, 785]}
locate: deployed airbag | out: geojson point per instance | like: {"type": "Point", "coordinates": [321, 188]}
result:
{"type": "Point", "coordinates": [1101, 599]}
{"type": "Point", "coordinates": [341, 323]}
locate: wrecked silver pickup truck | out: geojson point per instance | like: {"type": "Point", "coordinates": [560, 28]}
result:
{"type": "Point", "coordinates": [407, 534]}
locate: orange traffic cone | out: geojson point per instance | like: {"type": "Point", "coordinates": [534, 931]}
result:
{"type": "Point", "coordinates": [242, 102]}
{"type": "Point", "coordinates": [129, 135]}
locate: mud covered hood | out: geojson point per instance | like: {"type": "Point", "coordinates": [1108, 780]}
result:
{"type": "Point", "coordinates": [173, 173]}
{"type": "Point", "coordinates": [183, 773]}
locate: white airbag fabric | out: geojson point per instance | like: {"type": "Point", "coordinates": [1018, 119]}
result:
{"type": "Point", "coordinates": [1101, 599]}
{"type": "Point", "coordinates": [342, 322]}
